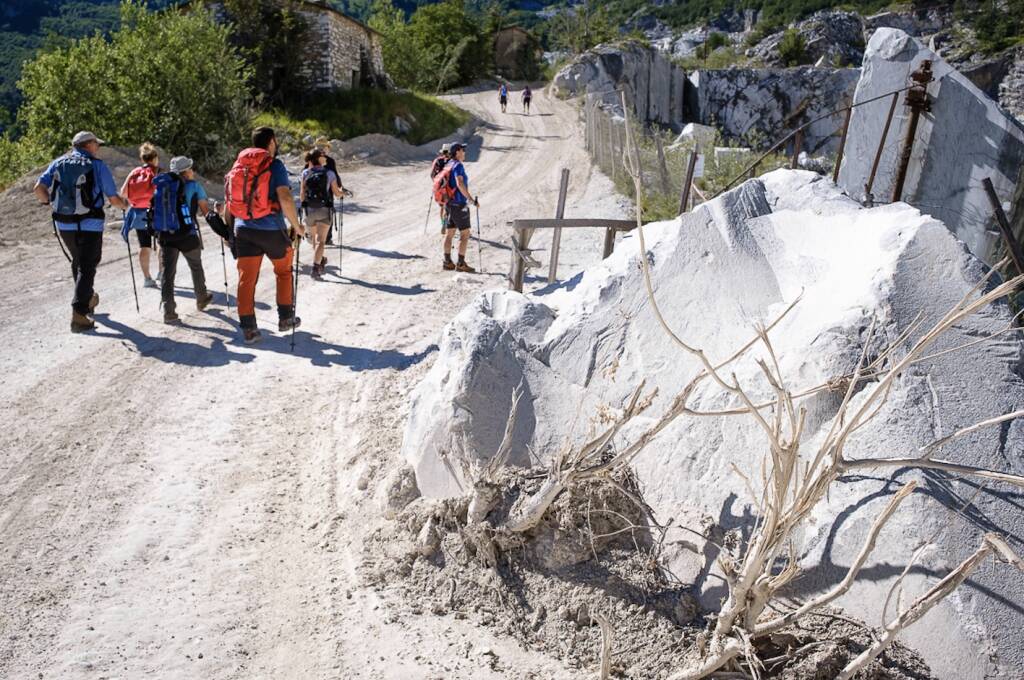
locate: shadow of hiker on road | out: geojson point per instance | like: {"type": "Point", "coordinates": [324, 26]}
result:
{"type": "Point", "coordinates": [169, 350]}
{"type": "Point", "coordinates": [325, 354]}
{"type": "Point", "coordinates": [417, 289]}
{"type": "Point", "coordinates": [383, 254]}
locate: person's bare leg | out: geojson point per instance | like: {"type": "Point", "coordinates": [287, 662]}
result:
{"type": "Point", "coordinates": [464, 242]}
{"type": "Point", "coordinates": [144, 262]}
{"type": "Point", "coordinates": [320, 240]}
{"type": "Point", "coordinates": [449, 238]}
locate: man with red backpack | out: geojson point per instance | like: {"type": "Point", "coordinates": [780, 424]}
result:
{"type": "Point", "coordinates": [451, 190]}
{"type": "Point", "coordinates": [259, 200]}
{"type": "Point", "coordinates": [138, 191]}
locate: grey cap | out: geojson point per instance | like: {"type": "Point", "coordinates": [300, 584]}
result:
{"type": "Point", "coordinates": [180, 163]}
{"type": "Point", "coordinates": [84, 137]}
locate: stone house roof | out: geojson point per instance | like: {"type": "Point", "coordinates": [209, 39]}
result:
{"type": "Point", "coordinates": [320, 5]}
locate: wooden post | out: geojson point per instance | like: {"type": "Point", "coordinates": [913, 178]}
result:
{"type": "Point", "coordinates": [609, 242]}
{"type": "Point", "coordinates": [666, 183]}
{"type": "Point", "coordinates": [842, 145]}
{"type": "Point", "coordinates": [688, 182]}
{"type": "Point", "coordinates": [1012, 245]}
{"type": "Point", "coordinates": [868, 196]}
{"type": "Point", "coordinates": [515, 281]}
{"type": "Point", "coordinates": [798, 141]}
{"type": "Point", "coordinates": [556, 239]}
{"type": "Point", "coordinates": [614, 139]}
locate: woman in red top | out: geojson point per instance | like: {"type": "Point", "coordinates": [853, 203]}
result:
{"type": "Point", "coordinates": [138, 191]}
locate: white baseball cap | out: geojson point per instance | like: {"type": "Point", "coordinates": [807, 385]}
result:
{"type": "Point", "coordinates": [445, 148]}
{"type": "Point", "coordinates": [180, 163]}
{"type": "Point", "coordinates": [84, 137]}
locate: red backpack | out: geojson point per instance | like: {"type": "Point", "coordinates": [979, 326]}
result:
{"type": "Point", "coordinates": [247, 186]}
{"type": "Point", "coordinates": [438, 166]}
{"type": "Point", "coordinates": [140, 186]}
{"type": "Point", "coordinates": [444, 186]}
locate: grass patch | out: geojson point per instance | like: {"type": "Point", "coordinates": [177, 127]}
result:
{"type": "Point", "coordinates": [350, 113]}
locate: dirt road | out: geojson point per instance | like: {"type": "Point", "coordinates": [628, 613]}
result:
{"type": "Point", "coordinates": [175, 504]}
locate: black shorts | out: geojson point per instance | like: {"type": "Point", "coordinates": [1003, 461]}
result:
{"type": "Point", "coordinates": [145, 238]}
{"type": "Point", "coordinates": [458, 217]}
{"type": "Point", "coordinates": [503, 100]}
{"type": "Point", "coordinates": [254, 242]}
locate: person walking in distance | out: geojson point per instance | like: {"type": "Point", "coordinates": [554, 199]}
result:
{"type": "Point", "coordinates": [459, 217]}
{"type": "Point", "coordinates": [317, 192]}
{"type": "Point", "coordinates": [138, 191]}
{"type": "Point", "coordinates": [527, 98]}
{"type": "Point", "coordinates": [503, 97]}
{"type": "Point", "coordinates": [259, 201]}
{"type": "Point", "coordinates": [76, 186]}
{"type": "Point", "coordinates": [324, 145]}
{"type": "Point", "coordinates": [174, 216]}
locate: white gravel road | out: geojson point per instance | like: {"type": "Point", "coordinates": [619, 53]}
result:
{"type": "Point", "coordinates": [175, 504]}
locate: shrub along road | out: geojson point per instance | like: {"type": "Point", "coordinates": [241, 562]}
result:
{"type": "Point", "coordinates": [176, 504]}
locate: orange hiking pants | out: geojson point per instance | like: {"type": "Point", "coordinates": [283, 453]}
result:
{"type": "Point", "coordinates": [249, 275]}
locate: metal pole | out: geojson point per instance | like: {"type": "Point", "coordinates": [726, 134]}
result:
{"type": "Point", "coordinates": [479, 236]}
{"type": "Point", "coordinates": [1012, 245]}
{"type": "Point", "coordinates": [869, 197]}
{"type": "Point", "coordinates": [131, 266]}
{"type": "Point", "coordinates": [341, 233]}
{"type": "Point", "coordinates": [295, 290]}
{"type": "Point", "coordinates": [556, 239]}
{"type": "Point", "coordinates": [426, 222]}
{"type": "Point", "coordinates": [798, 142]}
{"type": "Point", "coordinates": [691, 167]}
{"type": "Point", "coordinates": [917, 100]}
{"type": "Point", "coordinates": [842, 145]}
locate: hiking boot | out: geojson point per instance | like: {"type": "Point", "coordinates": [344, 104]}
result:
{"type": "Point", "coordinates": [150, 283]}
{"type": "Point", "coordinates": [463, 267]}
{"type": "Point", "coordinates": [204, 300]}
{"type": "Point", "coordinates": [289, 323]}
{"type": "Point", "coordinates": [80, 323]}
{"type": "Point", "coordinates": [251, 335]}
{"type": "Point", "coordinates": [448, 265]}
{"type": "Point", "coordinates": [323, 264]}
{"type": "Point", "coordinates": [318, 270]}
{"type": "Point", "coordinates": [94, 302]}
{"type": "Point", "coordinates": [171, 318]}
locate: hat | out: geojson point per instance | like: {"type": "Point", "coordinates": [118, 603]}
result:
{"type": "Point", "coordinates": [181, 163]}
{"type": "Point", "coordinates": [322, 141]}
{"type": "Point", "coordinates": [85, 137]}
{"type": "Point", "coordinates": [445, 148]}
{"type": "Point", "coordinates": [458, 147]}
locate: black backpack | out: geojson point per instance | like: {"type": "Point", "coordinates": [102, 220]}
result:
{"type": "Point", "coordinates": [318, 193]}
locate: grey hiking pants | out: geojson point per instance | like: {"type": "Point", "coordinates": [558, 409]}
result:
{"type": "Point", "coordinates": [191, 249]}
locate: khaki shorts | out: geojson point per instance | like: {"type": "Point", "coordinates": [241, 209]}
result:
{"type": "Point", "coordinates": [318, 216]}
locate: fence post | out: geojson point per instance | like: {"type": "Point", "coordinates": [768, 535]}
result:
{"type": "Point", "coordinates": [1012, 245]}
{"type": "Point", "coordinates": [842, 145]}
{"type": "Point", "coordinates": [798, 142]}
{"type": "Point", "coordinates": [614, 141]}
{"type": "Point", "coordinates": [917, 100]}
{"type": "Point", "coordinates": [868, 196]}
{"type": "Point", "coordinates": [515, 281]}
{"type": "Point", "coordinates": [609, 242]}
{"type": "Point", "coordinates": [666, 183]}
{"type": "Point", "coordinates": [556, 239]}
{"type": "Point", "coordinates": [691, 167]}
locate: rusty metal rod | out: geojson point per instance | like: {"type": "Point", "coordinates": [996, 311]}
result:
{"type": "Point", "coordinates": [688, 182]}
{"type": "Point", "coordinates": [881, 147]}
{"type": "Point", "coordinates": [1012, 245]}
{"type": "Point", "coordinates": [842, 145]}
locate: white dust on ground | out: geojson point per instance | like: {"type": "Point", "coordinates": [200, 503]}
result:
{"type": "Point", "coordinates": [176, 504]}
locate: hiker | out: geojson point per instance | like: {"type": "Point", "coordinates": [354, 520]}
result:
{"type": "Point", "coordinates": [527, 98]}
{"type": "Point", "coordinates": [503, 97]}
{"type": "Point", "coordinates": [443, 157]}
{"type": "Point", "coordinates": [259, 200]}
{"type": "Point", "coordinates": [324, 145]}
{"type": "Point", "coordinates": [138, 191]}
{"type": "Point", "coordinates": [317, 191]}
{"type": "Point", "coordinates": [75, 185]}
{"type": "Point", "coordinates": [458, 215]}
{"type": "Point", "coordinates": [177, 200]}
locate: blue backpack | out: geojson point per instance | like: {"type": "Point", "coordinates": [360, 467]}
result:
{"type": "Point", "coordinates": [73, 191]}
{"type": "Point", "coordinates": [169, 212]}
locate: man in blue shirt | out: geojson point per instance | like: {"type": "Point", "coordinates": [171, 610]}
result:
{"type": "Point", "coordinates": [268, 236]}
{"type": "Point", "coordinates": [75, 185]}
{"type": "Point", "coordinates": [184, 242]}
{"type": "Point", "coordinates": [458, 212]}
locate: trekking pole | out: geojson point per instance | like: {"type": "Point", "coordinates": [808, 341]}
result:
{"type": "Point", "coordinates": [131, 265]}
{"type": "Point", "coordinates": [479, 246]}
{"type": "Point", "coordinates": [426, 222]}
{"type": "Point", "coordinates": [341, 232]}
{"type": "Point", "coordinates": [295, 290]}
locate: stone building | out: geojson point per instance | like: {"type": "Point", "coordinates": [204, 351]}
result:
{"type": "Point", "coordinates": [344, 52]}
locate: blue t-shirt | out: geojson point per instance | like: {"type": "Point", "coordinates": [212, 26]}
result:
{"type": "Point", "coordinates": [104, 187]}
{"type": "Point", "coordinates": [273, 221]}
{"type": "Point", "coordinates": [194, 192]}
{"type": "Point", "coordinates": [503, 92]}
{"type": "Point", "coordinates": [459, 170]}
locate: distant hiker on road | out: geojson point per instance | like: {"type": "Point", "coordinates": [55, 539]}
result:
{"type": "Point", "coordinates": [138, 191]}
{"type": "Point", "coordinates": [177, 202]}
{"type": "Point", "coordinates": [457, 189]}
{"type": "Point", "coordinates": [75, 186]}
{"type": "Point", "coordinates": [317, 192]}
{"type": "Point", "coordinates": [527, 98]}
{"type": "Point", "coordinates": [503, 97]}
{"type": "Point", "coordinates": [259, 200]}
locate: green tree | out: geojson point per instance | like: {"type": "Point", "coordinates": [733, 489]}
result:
{"type": "Point", "coordinates": [172, 78]}
{"type": "Point", "coordinates": [578, 28]}
{"type": "Point", "coordinates": [405, 60]}
{"type": "Point", "coordinates": [272, 36]}
{"type": "Point", "coordinates": [792, 48]}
